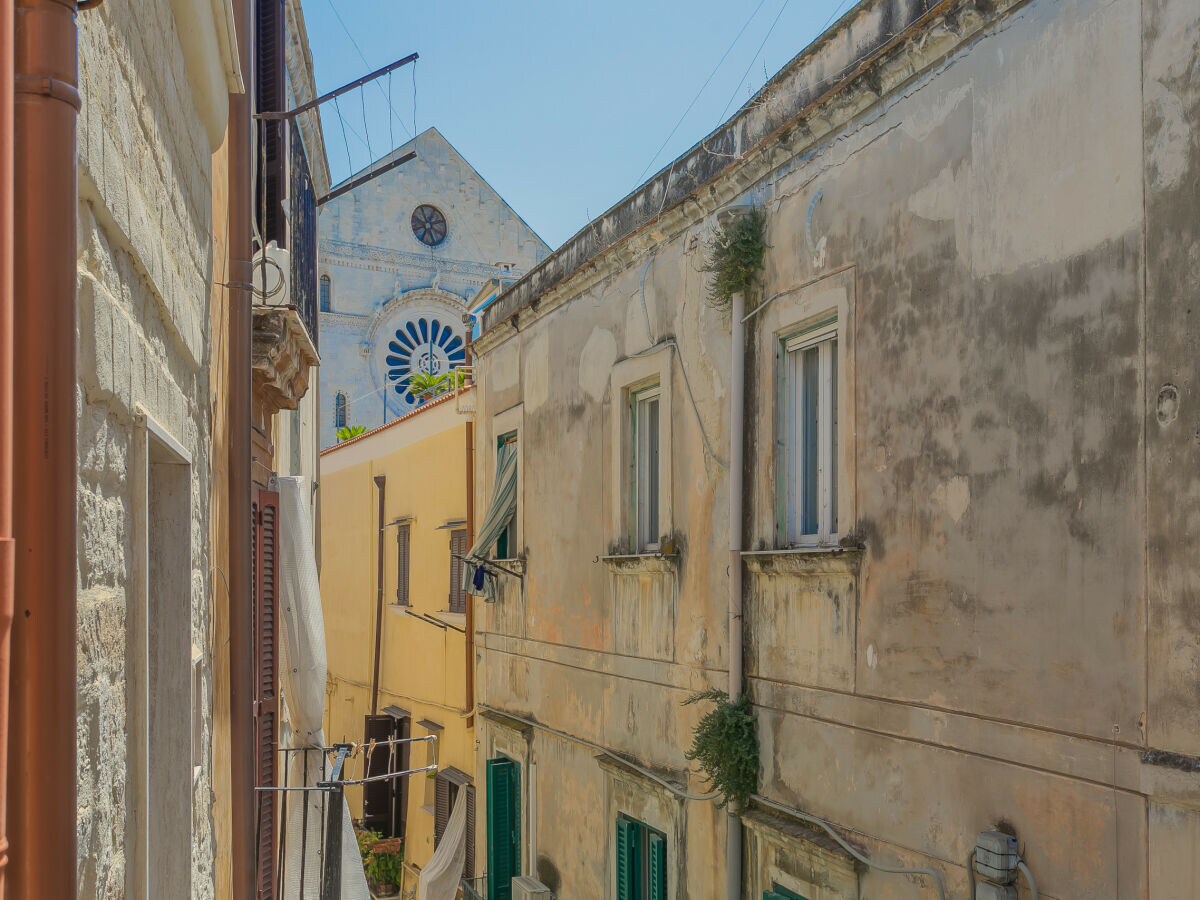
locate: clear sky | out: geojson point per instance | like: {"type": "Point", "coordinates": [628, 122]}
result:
{"type": "Point", "coordinates": [561, 105]}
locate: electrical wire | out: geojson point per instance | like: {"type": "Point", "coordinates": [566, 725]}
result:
{"type": "Point", "coordinates": [707, 81]}
{"type": "Point", "coordinates": [337, 15]}
{"type": "Point", "coordinates": [754, 58]}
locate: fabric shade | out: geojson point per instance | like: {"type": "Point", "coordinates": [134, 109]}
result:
{"type": "Point", "coordinates": [499, 513]}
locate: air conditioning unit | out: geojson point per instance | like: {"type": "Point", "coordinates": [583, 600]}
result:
{"type": "Point", "coordinates": [272, 277]}
{"type": "Point", "coordinates": [526, 888]}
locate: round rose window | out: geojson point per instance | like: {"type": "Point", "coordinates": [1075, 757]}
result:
{"type": "Point", "coordinates": [429, 225]}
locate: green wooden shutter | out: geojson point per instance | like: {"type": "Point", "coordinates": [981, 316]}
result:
{"type": "Point", "coordinates": [658, 866]}
{"type": "Point", "coordinates": [629, 883]}
{"type": "Point", "coordinates": [504, 827]}
{"type": "Point", "coordinates": [781, 893]}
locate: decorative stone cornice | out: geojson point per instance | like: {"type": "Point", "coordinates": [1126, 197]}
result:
{"type": "Point", "coordinates": [283, 357]}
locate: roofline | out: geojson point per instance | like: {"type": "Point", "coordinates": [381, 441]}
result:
{"type": "Point", "coordinates": [829, 65]}
{"type": "Point", "coordinates": [424, 407]}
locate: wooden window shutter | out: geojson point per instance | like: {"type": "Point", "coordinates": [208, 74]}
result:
{"type": "Point", "coordinates": [469, 865]}
{"type": "Point", "coordinates": [629, 883]}
{"type": "Point", "coordinates": [377, 795]}
{"type": "Point", "coordinates": [780, 893]}
{"type": "Point", "coordinates": [265, 573]}
{"type": "Point", "coordinates": [403, 757]}
{"type": "Point", "coordinates": [271, 96]}
{"type": "Point", "coordinates": [441, 807]}
{"type": "Point", "coordinates": [458, 549]}
{"type": "Point", "coordinates": [403, 538]}
{"type": "Point", "coordinates": [504, 827]}
{"type": "Point", "coordinates": [658, 866]}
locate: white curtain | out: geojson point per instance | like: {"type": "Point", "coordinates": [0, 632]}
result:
{"type": "Point", "coordinates": [303, 668]}
{"type": "Point", "coordinates": [440, 878]}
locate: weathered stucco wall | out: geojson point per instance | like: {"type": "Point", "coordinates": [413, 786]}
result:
{"type": "Point", "coordinates": [1001, 213]}
{"type": "Point", "coordinates": [145, 220]}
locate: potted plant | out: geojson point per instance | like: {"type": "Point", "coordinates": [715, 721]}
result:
{"type": "Point", "coordinates": [384, 862]}
{"type": "Point", "coordinates": [426, 384]}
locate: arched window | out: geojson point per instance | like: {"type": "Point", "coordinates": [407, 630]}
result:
{"type": "Point", "coordinates": [326, 302]}
{"type": "Point", "coordinates": [341, 410]}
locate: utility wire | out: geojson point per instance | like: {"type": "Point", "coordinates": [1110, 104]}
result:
{"type": "Point", "coordinates": [754, 58]}
{"type": "Point", "coordinates": [707, 81]}
{"type": "Point", "coordinates": [337, 15]}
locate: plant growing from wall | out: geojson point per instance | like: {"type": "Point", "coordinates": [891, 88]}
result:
{"type": "Point", "coordinates": [346, 432]}
{"type": "Point", "coordinates": [735, 255]}
{"type": "Point", "coordinates": [725, 745]}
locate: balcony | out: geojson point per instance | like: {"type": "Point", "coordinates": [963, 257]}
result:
{"type": "Point", "coordinates": [285, 349]}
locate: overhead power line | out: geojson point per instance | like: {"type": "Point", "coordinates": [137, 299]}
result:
{"type": "Point", "coordinates": [358, 49]}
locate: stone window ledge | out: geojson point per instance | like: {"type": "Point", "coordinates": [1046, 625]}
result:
{"type": "Point", "coordinates": [641, 563]}
{"type": "Point", "coordinates": [805, 561]}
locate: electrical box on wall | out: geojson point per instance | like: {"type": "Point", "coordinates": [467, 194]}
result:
{"type": "Point", "coordinates": [996, 857]}
{"type": "Point", "coordinates": [526, 888]}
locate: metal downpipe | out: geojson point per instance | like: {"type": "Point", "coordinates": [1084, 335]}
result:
{"type": "Point", "coordinates": [42, 731]}
{"type": "Point", "coordinates": [7, 548]}
{"type": "Point", "coordinates": [244, 803]}
{"type": "Point", "coordinates": [737, 414]}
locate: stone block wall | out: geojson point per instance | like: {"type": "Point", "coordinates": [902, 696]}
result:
{"type": "Point", "coordinates": [145, 262]}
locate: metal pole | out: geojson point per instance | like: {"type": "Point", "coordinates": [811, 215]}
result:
{"type": "Point", "coordinates": [337, 92]}
{"type": "Point", "coordinates": [331, 874]}
{"type": "Point", "coordinates": [737, 412]}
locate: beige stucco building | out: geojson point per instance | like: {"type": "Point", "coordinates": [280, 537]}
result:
{"type": "Point", "coordinates": [970, 599]}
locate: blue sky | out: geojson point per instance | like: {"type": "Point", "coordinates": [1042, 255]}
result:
{"type": "Point", "coordinates": [561, 105]}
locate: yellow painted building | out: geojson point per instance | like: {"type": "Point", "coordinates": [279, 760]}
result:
{"type": "Point", "coordinates": [414, 471]}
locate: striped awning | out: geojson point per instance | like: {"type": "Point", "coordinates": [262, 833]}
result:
{"type": "Point", "coordinates": [479, 579]}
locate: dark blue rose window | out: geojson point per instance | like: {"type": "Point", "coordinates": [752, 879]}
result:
{"type": "Point", "coordinates": [422, 345]}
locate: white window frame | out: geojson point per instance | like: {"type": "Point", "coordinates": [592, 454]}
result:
{"type": "Point", "coordinates": [823, 336]}
{"type": "Point", "coordinates": [645, 494]}
{"type": "Point", "coordinates": [633, 378]}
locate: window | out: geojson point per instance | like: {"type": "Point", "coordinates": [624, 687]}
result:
{"type": "Point", "coordinates": [506, 544]}
{"type": "Point", "coordinates": [645, 477]}
{"type": "Point", "coordinates": [326, 290]}
{"type": "Point", "coordinates": [403, 535]}
{"type": "Point", "coordinates": [385, 802]}
{"type": "Point", "coordinates": [458, 549]}
{"type": "Point", "coordinates": [341, 410]}
{"type": "Point", "coordinates": [504, 826]}
{"type": "Point", "coordinates": [641, 861]}
{"type": "Point", "coordinates": [429, 225]}
{"type": "Point", "coordinates": [781, 893]}
{"type": "Point", "coordinates": [810, 437]}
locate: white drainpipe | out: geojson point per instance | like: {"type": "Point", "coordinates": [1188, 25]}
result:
{"type": "Point", "coordinates": [737, 412]}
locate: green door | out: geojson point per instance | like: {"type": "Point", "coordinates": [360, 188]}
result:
{"type": "Point", "coordinates": [504, 826]}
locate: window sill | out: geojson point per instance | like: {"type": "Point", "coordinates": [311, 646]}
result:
{"type": "Point", "coordinates": [805, 560]}
{"type": "Point", "coordinates": [641, 563]}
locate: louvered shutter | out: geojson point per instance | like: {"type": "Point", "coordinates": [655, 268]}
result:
{"type": "Point", "coordinates": [780, 893]}
{"type": "Point", "coordinates": [265, 572]}
{"type": "Point", "coordinates": [658, 866]}
{"type": "Point", "coordinates": [377, 795]}
{"type": "Point", "coordinates": [504, 827]}
{"type": "Point", "coordinates": [629, 883]}
{"type": "Point", "coordinates": [458, 549]}
{"type": "Point", "coordinates": [403, 756]}
{"type": "Point", "coordinates": [441, 807]}
{"type": "Point", "coordinates": [271, 96]}
{"type": "Point", "coordinates": [469, 866]}
{"type": "Point", "coordinates": [403, 537]}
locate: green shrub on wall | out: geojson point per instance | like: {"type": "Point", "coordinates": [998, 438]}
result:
{"type": "Point", "coordinates": [735, 255]}
{"type": "Point", "coordinates": [725, 745]}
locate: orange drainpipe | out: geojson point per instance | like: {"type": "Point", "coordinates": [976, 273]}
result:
{"type": "Point", "coordinates": [42, 811]}
{"type": "Point", "coordinates": [6, 399]}
{"type": "Point", "coordinates": [241, 611]}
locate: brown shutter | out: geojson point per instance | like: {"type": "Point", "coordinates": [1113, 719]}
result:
{"type": "Point", "coordinates": [403, 729]}
{"type": "Point", "coordinates": [271, 96]}
{"type": "Point", "coordinates": [265, 530]}
{"type": "Point", "coordinates": [402, 562]}
{"type": "Point", "coordinates": [469, 866]}
{"type": "Point", "coordinates": [377, 795]}
{"type": "Point", "coordinates": [441, 808]}
{"type": "Point", "coordinates": [458, 549]}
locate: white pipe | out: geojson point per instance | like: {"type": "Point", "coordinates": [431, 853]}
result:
{"type": "Point", "coordinates": [737, 413]}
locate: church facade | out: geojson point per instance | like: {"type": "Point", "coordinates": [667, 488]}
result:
{"type": "Point", "coordinates": [402, 259]}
